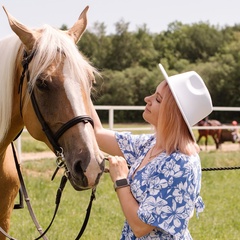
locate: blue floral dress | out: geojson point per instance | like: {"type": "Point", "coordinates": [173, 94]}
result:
{"type": "Point", "coordinates": [167, 188]}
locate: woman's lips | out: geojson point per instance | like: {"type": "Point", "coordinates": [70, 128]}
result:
{"type": "Point", "coordinates": [147, 110]}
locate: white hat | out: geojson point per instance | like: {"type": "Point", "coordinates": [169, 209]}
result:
{"type": "Point", "coordinates": [191, 95]}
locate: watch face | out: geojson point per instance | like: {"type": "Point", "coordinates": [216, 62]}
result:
{"type": "Point", "coordinates": [122, 182]}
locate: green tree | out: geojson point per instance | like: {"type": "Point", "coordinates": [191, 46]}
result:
{"type": "Point", "coordinates": [122, 48]}
{"type": "Point", "coordinates": [196, 42]}
{"type": "Point", "coordinates": [147, 55]}
{"type": "Point", "coordinates": [96, 45]}
{"type": "Point", "coordinates": [127, 87]}
{"type": "Point", "coordinates": [128, 61]}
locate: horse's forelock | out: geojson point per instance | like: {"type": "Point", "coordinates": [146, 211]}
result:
{"type": "Point", "coordinates": [9, 47]}
{"type": "Point", "coordinates": [48, 47]}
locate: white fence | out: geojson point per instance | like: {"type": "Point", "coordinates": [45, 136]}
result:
{"type": "Point", "coordinates": [111, 110]}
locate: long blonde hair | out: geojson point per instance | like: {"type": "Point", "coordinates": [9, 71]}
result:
{"type": "Point", "coordinates": [172, 131]}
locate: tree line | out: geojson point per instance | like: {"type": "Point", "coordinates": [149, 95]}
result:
{"type": "Point", "coordinates": [128, 62]}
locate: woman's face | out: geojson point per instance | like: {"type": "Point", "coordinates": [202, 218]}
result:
{"type": "Point", "coordinates": [153, 101]}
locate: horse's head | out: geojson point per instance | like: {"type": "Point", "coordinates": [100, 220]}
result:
{"type": "Point", "coordinates": [58, 80]}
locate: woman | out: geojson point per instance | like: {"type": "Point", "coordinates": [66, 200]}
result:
{"type": "Point", "coordinates": [160, 191]}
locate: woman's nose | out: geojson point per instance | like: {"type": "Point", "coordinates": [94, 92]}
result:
{"type": "Point", "coordinates": [147, 99]}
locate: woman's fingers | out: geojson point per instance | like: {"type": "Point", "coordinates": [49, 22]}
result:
{"type": "Point", "coordinates": [117, 167]}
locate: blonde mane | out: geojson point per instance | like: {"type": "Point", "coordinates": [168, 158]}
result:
{"type": "Point", "coordinates": [9, 47]}
{"type": "Point", "coordinates": [48, 46]}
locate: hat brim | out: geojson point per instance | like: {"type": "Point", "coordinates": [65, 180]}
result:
{"type": "Point", "coordinates": [177, 101]}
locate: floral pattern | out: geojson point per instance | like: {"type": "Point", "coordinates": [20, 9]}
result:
{"type": "Point", "coordinates": [167, 188]}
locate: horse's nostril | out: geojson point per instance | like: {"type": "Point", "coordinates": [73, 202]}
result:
{"type": "Point", "coordinates": [78, 174]}
{"type": "Point", "coordinates": [78, 168]}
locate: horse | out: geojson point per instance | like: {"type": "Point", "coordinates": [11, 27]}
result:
{"type": "Point", "coordinates": [215, 133]}
{"type": "Point", "coordinates": [229, 135]}
{"type": "Point", "coordinates": [45, 86]}
{"type": "Point", "coordinates": [226, 136]}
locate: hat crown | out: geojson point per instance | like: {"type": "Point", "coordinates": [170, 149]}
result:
{"type": "Point", "coordinates": [191, 95]}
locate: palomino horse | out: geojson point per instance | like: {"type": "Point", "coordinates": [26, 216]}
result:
{"type": "Point", "coordinates": [45, 85]}
{"type": "Point", "coordinates": [215, 133]}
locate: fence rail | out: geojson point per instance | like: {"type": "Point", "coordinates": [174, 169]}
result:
{"type": "Point", "coordinates": [111, 110]}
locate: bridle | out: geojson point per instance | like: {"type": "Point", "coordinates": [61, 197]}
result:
{"type": "Point", "coordinates": [53, 138]}
{"type": "Point", "coordinates": [58, 150]}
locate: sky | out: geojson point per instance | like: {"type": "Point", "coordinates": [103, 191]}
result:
{"type": "Point", "coordinates": [156, 14]}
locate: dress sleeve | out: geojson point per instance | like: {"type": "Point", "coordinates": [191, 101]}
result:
{"type": "Point", "coordinates": [171, 192]}
{"type": "Point", "coordinates": [131, 145]}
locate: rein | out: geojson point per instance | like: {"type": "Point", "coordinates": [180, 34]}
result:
{"type": "Point", "coordinates": [53, 139]}
{"type": "Point", "coordinates": [60, 164]}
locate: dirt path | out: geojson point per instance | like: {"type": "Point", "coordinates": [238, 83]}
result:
{"type": "Point", "coordinates": [37, 156]}
{"type": "Point", "coordinates": [225, 147]}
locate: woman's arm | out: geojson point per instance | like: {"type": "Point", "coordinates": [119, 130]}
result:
{"type": "Point", "coordinates": [105, 138]}
{"type": "Point", "coordinates": [130, 207]}
{"type": "Point", "coordinates": [118, 170]}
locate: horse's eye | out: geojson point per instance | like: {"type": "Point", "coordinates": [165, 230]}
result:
{"type": "Point", "coordinates": [41, 84]}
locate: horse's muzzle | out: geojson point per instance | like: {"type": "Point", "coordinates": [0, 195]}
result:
{"type": "Point", "coordinates": [83, 176]}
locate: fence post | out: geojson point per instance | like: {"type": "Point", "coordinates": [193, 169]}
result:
{"type": "Point", "coordinates": [111, 118]}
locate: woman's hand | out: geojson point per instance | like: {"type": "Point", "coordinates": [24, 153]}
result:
{"type": "Point", "coordinates": [118, 167]}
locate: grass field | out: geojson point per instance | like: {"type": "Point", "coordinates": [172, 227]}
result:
{"type": "Point", "coordinates": [220, 192]}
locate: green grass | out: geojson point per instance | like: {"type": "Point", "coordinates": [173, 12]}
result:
{"type": "Point", "coordinates": [29, 144]}
{"type": "Point", "coordinates": [220, 192]}
{"type": "Point", "coordinates": [105, 221]}
{"type": "Point", "coordinates": [219, 221]}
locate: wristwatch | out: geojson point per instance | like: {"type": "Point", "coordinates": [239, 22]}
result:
{"type": "Point", "coordinates": [121, 183]}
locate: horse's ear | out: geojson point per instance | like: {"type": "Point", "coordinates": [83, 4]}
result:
{"type": "Point", "coordinates": [26, 35]}
{"type": "Point", "coordinates": [77, 30]}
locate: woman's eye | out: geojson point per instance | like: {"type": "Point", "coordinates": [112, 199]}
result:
{"type": "Point", "coordinates": [158, 100]}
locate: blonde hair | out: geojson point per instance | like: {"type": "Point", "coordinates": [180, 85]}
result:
{"type": "Point", "coordinates": [172, 131]}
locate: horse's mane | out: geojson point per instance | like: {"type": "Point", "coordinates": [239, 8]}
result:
{"type": "Point", "coordinates": [48, 46]}
{"type": "Point", "coordinates": [9, 47]}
